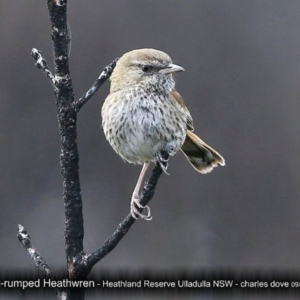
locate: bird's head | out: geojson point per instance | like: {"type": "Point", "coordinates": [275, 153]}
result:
{"type": "Point", "coordinates": [148, 68]}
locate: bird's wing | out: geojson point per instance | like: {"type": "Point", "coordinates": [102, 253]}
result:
{"type": "Point", "coordinates": [178, 98]}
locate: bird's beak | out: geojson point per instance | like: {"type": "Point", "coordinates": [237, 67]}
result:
{"type": "Point", "coordinates": [171, 68]}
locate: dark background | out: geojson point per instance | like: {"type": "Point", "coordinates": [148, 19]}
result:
{"type": "Point", "coordinates": [242, 88]}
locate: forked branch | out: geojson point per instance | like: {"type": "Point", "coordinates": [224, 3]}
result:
{"type": "Point", "coordinates": [79, 264]}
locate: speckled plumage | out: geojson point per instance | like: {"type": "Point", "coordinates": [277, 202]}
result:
{"type": "Point", "coordinates": [144, 115]}
{"type": "Point", "coordinates": [138, 130]}
{"type": "Point", "coordinates": [139, 117]}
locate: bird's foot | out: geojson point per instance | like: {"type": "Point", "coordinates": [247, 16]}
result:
{"type": "Point", "coordinates": [135, 204]}
{"type": "Point", "coordinates": [163, 162]}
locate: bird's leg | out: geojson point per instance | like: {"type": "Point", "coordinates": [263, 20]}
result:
{"type": "Point", "coordinates": [135, 200]}
{"type": "Point", "coordinates": [163, 162]}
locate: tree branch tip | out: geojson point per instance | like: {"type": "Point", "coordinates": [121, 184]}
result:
{"type": "Point", "coordinates": [21, 228]}
{"type": "Point", "coordinates": [108, 69]}
{"type": "Point", "coordinates": [41, 63]}
{"type": "Point", "coordinates": [37, 56]}
{"type": "Point", "coordinates": [60, 2]}
{"type": "Point", "coordinates": [35, 51]}
{"type": "Point", "coordinates": [105, 74]}
{"type": "Point", "coordinates": [115, 60]}
{"type": "Point", "coordinates": [22, 232]}
{"type": "Point", "coordinates": [113, 63]}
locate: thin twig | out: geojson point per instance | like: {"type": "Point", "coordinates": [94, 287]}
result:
{"type": "Point", "coordinates": [41, 63]}
{"type": "Point", "coordinates": [25, 240]}
{"type": "Point", "coordinates": [105, 74]}
{"type": "Point", "coordinates": [124, 226]}
{"type": "Point", "coordinates": [36, 257]}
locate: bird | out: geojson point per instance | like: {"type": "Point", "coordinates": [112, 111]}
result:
{"type": "Point", "coordinates": [144, 116]}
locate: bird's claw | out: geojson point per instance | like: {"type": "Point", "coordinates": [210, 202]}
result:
{"type": "Point", "coordinates": [163, 163]}
{"type": "Point", "coordinates": [135, 204]}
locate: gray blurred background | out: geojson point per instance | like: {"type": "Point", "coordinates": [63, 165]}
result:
{"type": "Point", "coordinates": [242, 88]}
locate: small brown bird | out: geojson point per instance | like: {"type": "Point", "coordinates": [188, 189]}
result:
{"type": "Point", "coordinates": [144, 116]}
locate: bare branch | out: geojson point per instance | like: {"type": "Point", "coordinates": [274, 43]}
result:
{"type": "Point", "coordinates": [41, 63]}
{"type": "Point", "coordinates": [124, 226]}
{"type": "Point", "coordinates": [25, 240]}
{"type": "Point", "coordinates": [36, 257]}
{"type": "Point", "coordinates": [105, 74]}
{"type": "Point", "coordinates": [67, 118]}
{"type": "Point", "coordinates": [78, 263]}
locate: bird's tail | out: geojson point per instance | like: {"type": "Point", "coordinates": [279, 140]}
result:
{"type": "Point", "coordinates": [202, 157]}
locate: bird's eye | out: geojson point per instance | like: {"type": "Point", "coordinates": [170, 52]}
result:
{"type": "Point", "coordinates": [147, 68]}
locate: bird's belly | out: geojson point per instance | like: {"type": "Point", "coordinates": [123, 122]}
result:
{"type": "Point", "coordinates": [138, 134]}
